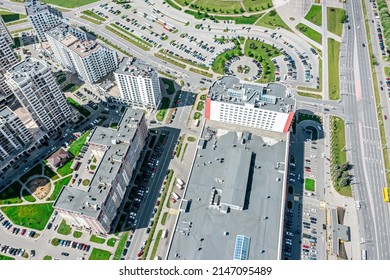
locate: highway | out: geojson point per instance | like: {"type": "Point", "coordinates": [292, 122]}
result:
{"type": "Point", "coordinates": [362, 136]}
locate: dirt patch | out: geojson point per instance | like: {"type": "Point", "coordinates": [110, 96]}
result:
{"type": "Point", "coordinates": [39, 187]}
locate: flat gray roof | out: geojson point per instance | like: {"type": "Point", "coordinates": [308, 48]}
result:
{"type": "Point", "coordinates": [135, 67]}
{"type": "Point", "coordinates": [236, 177]}
{"type": "Point", "coordinates": [118, 142]}
{"type": "Point", "coordinates": [272, 96]}
{"type": "Point", "coordinates": [340, 232]}
{"type": "Point", "coordinates": [26, 69]}
{"type": "Point", "coordinates": [212, 235]}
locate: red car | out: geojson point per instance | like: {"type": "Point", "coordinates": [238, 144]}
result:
{"type": "Point", "coordinates": [307, 170]}
{"type": "Point", "coordinates": [23, 231]}
{"type": "Point", "coordinates": [140, 253]}
{"type": "Point", "coordinates": [305, 246]}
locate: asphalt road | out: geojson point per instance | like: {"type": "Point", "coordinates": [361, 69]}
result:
{"type": "Point", "coordinates": [362, 133]}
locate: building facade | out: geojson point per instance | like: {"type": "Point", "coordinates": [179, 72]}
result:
{"type": "Point", "coordinates": [268, 107]}
{"type": "Point", "coordinates": [7, 58]}
{"type": "Point", "coordinates": [74, 51]}
{"type": "Point", "coordinates": [14, 136]}
{"type": "Point", "coordinates": [94, 207]}
{"type": "Point", "coordinates": [36, 88]}
{"type": "Point", "coordinates": [138, 83]}
{"type": "Point", "coordinates": [4, 32]}
{"type": "Point", "coordinates": [42, 17]}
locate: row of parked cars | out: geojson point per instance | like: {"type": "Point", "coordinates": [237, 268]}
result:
{"type": "Point", "coordinates": [74, 245]}
{"type": "Point", "coordinates": [11, 250]}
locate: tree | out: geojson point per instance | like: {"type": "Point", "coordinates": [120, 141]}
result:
{"type": "Point", "coordinates": [344, 166]}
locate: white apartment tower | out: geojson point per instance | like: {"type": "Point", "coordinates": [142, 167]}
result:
{"type": "Point", "coordinates": [72, 48]}
{"type": "Point", "coordinates": [37, 90]}
{"type": "Point", "coordinates": [7, 59]}
{"type": "Point", "coordinates": [4, 32]}
{"type": "Point", "coordinates": [138, 83]}
{"type": "Point", "coordinates": [14, 136]}
{"type": "Point", "coordinates": [42, 17]}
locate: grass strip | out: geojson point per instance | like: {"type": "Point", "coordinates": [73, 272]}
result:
{"type": "Point", "coordinates": [170, 60]}
{"type": "Point", "coordinates": [201, 72]}
{"type": "Point", "coordinates": [128, 39]}
{"type": "Point", "coordinates": [121, 246]}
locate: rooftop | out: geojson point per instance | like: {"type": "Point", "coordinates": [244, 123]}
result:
{"type": "Point", "coordinates": [84, 48]}
{"type": "Point", "coordinates": [35, 7]}
{"type": "Point", "coordinates": [25, 69]}
{"type": "Point", "coordinates": [61, 33]}
{"type": "Point", "coordinates": [6, 114]}
{"type": "Point", "coordinates": [272, 96]}
{"type": "Point", "coordinates": [135, 67]}
{"type": "Point", "coordinates": [248, 169]}
{"type": "Point", "coordinates": [89, 199]}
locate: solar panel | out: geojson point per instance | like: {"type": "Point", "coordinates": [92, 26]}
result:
{"type": "Point", "coordinates": [241, 249]}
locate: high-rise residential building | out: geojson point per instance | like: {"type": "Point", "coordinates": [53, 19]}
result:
{"type": "Point", "coordinates": [92, 200]}
{"type": "Point", "coordinates": [42, 17]}
{"type": "Point", "coordinates": [14, 136]}
{"type": "Point", "coordinates": [72, 48]}
{"type": "Point", "coordinates": [4, 32]}
{"type": "Point", "coordinates": [7, 59]}
{"type": "Point", "coordinates": [36, 88]}
{"type": "Point", "coordinates": [233, 101]}
{"type": "Point", "coordinates": [138, 83]}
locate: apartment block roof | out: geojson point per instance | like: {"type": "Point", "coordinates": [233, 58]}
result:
{"type": "Point", "coordinates": [272, 96]}
{"type": "Point", "coordinates": [25, 69]}
{"type": "Point", "coordinates": [135, 67]}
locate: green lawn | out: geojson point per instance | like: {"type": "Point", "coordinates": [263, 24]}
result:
{"type": "Point", "coordinates": [70, 3]}
{"type": "Point", "coordinates": [191, 139]}
{"type": "Point", "coordinates": [178, 149]}
{"type": "Point", "coordinates": [184, 151]}
{"type": "Point", "coordinates": [263, 53]}
{"type": "Point", "coordinates": [257, 5]}
{"type": "Point", "coordinates": [169, 59]}
{"type": "Point", "coordinates": [5, 258]}
{"type": "Point", "coordinates": [247, 20]}
{"type": "Point", "coordinates": [338, 155]}
{"type": "Point", "coordinates": [315, 15]}
{"type": "Point", "coordinates": [183, 2]}
{"type": "Point", "coordinates": [111, 242]}
{"type": "Point", "coordinates": [77, 234]}
{"type": "Point", "coordinates": [33, 216]}
{"type": "Point", "coordinates": [170, 85]}
{"type": "Point", "coordinates": [97, 239]}
{"type": "Point", "coordinates": [197, 115]}
{"type": "Point", "coordinates": [309, 32]}
{"type": "Point", "coordinates": [47, 258]}
{"type": "Point", "coordinates": [273, 20]}
{"type": "Point", "coordinates": [11, 194]}
{"type": "Point", "coordinates": [184, 60]}
{"type": "Point", "coordinates": [336, 18]}
{"type": "Point", "coordinates": [308, 94]}
{"type": "Point", "coordinates": [121, 246]}
{"type": "Point", "coordinates": [156, 243]}
{"type": "Point", "coordinates": [50, 173]}
{"type": "Point", "coordinates": [218, 6]}
{"type": "Point", "coordinates": [93, 15]}
{"type": "Point", "coordinates": [309, 184]}
{"type": "Point", "coordinates": [201, 72]}
{"type": "Point", "coordinates": [10, 16]}
{"type": "Point", "coordinates": [164, 218]}
{"type": "Point", "coordinates": [58, 187]}
{"type": "Point", "coordinates": [78, 107]}
{"type": "Point", "coordinates": [64, 228]}
{"type": "Point", "coordinates": [65, 169]}
{"type": "Point", "coordinates": [99, 254]}
{"type": "Point", "coordinates": [164, 105]}
{"type": "Point", "coordinates": [36, 170]}
{"type": "Point", "coordinates": [129, 37]}
{"type": "Point", "coordinates": [173, 4]}
{"type": "Point", "coordinates": [387, 71]}
{"type": "Point", "coordinates": [333, 68]}
{"type": "Point", "coordinates": [218, 65]}
{"type": "Point", "coordinates": [94, 21]}
{"type": "Point", "coordinates": [78, 144]}
{"type": "Point", "coordinates": [19, 22]}
{"type": "Point", "coordinates": [28, 196]}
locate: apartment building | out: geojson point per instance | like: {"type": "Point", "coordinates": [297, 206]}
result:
{"type": "Point", "coordinates": [14, 136]}
{"type": "Point", "coordinates": [36, 88]}
{"type": "Point", "coordinates": [138, 83]}
{"type": "Point", "coordinates": [42, 17]}
{"type": "Point", "coordinates": [75, 51]}
{"type": "Point", "coordinates": [115, 153]}
{"type": "Point", "coordinates": [4, 32]}
{"type": "Point", "coordinates": [7, 59]}
{"type": "Point", "coordinates": [268, 107]}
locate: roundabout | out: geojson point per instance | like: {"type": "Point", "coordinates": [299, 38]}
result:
{"type": "Point", "coordinates": [245, 68]}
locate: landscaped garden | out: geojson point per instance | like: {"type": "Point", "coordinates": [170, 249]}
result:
{"type": "Point", "coordinates": [309, 184]}
{"type": "Point", "coordinates": [33, 216]}
{"type": "Point", "coordinates": [99, 254]}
